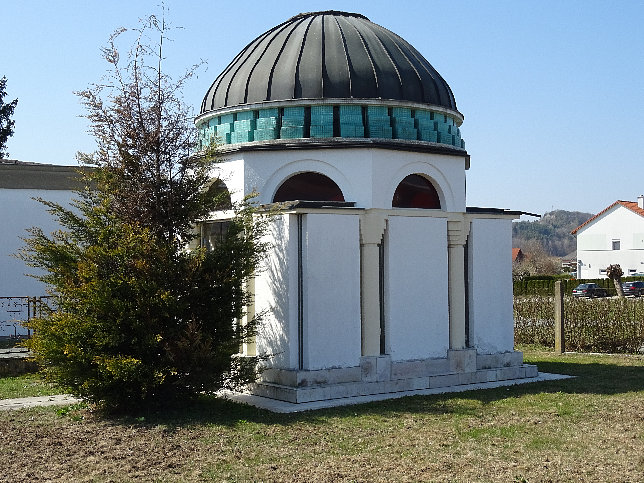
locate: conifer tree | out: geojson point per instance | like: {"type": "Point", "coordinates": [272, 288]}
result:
{"type": "Point", "coordinates": [6, 123]}
{"type": "Point", "coordinates": [140, 319]}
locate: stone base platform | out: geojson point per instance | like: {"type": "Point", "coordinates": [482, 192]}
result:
{"type": "Point", "coordinates": [378, 375]}
{"type": "Point", "coordinates": [284, 407]}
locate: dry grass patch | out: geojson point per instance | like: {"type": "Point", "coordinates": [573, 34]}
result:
{"type": "Point", "coordinates": [590, 428]}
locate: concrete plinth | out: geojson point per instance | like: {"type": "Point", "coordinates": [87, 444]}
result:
{"type": "Point", "coordinates": [379, 375]}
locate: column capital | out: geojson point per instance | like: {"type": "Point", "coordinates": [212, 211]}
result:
{"type": "Point", "coordinates": [372, 226]}
{"type": "Point", "coordinates": [458, 229]}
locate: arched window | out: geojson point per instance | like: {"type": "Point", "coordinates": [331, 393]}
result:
{"type": "Point", "coordinates": [308, 187]}
{"type": "Point", "coordinates": [416, 191]}
{"type": "Point", "coordinates": [219, 191]}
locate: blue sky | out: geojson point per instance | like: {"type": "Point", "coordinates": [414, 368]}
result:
{"type": "Point", "coordinates": [552, 91]}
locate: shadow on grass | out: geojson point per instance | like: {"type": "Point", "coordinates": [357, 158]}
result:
{"type": "Point", "coordinates": [596, 378]}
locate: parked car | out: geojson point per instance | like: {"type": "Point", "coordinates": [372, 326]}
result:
{"type": "Point", "coordinates": [589, 290]}
{"type": "Point", "coordinates": [633, 288]}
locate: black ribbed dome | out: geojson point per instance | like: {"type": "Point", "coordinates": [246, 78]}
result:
{"type": "Point", "coordinates": [328, 55]}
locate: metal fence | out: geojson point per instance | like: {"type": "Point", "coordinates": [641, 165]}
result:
{"type": "Point", "coordinates": [16, 312]}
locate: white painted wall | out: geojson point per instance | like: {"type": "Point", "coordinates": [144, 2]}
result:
{"type": "Point", "coordinates": [331, 274]}
{"type": "Point", "coordinates": [331, 292]}
{"type": "Point", "coordinates": [276, 295]}
{"type": "Point", "coordinates": [416, 288]}
{"type": "Point", "coordinates": [231, 172]}
{"type": "Point", "coordinates": [594, 243]}
{"type": "Point", "coordinates": [18, 212]}
{"type": "Point", "coordinates": [367, 176]}
{"type": "Point", "coordinates": [490, 285]}
{"type": "Point", "coordinates": [416, 305]}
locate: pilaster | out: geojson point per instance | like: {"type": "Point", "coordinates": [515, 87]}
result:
{"type": "Point", "coordinates": [372, 229]}
{"type": "Point", "coordinates": [458, 228]}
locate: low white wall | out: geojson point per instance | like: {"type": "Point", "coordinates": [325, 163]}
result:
{"type": "Point", "coordinates": [490, 286]}
{"type": "Point", "coordinates": [18, 212]}
{"type": "Point", "coordinates": [416, 305]}
{"type": "Point", "coordinates": [416, 289]}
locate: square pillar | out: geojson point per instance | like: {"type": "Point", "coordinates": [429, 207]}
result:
{"type": "Point", "coordinates": [372, 229]}
{"type": "Point", "coordinates": [457, 232]}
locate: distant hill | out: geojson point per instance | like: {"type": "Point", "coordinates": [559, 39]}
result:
{"type": "Point", "coordinates": [551, 231]}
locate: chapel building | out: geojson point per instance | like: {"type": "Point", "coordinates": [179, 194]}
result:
{"type": "Point", "coordinates": [380, 279]}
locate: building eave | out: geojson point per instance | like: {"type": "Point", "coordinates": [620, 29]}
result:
{"type": "Point", "coordinates": [24, 175]}
{"type": "Point", "coordinates": [481, 212]}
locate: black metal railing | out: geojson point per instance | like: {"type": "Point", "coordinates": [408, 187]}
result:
{"type": "Point", "coordinates": [16, 312]}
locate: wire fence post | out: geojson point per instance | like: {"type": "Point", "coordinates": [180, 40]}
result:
{"type": "Point", "coordinates": [560, 339]}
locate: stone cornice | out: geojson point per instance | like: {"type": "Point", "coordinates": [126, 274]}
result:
{"type": "Point", "coordinates": [456, 115]}
{"type": "Point", "coordinates": [345, 143]}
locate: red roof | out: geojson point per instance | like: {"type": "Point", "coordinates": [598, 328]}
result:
{"type": "Point", "coordinates": [516, 254]}
{"type": "Point", "coordinates": [631, 205]}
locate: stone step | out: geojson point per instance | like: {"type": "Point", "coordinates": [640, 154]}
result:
{"type": "Point", "coordinates": [362, 388]}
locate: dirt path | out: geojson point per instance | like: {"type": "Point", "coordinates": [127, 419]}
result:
{"type": "Point", "coordinates": [30, 402]}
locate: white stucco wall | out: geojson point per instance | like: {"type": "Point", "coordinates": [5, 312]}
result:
{"type": "Point", "coordinates": [416, 304]}
{"type": "Point", "coordinates": [331, 274]}
{"type": "Point", "coordinates": [276, 295]}
{"type": "Point", "coordinates": [490, 285]}
{"type": "Point", "coordinates": [367, 176]}
{"type": "Point", "coordinates": [595, 243]}
{"type": "Point", "coordinates": [331, 292]}
{"type": "Point", "coordinates": [18, 212]}
{"type": "Point", "coordinates": [231, 172]}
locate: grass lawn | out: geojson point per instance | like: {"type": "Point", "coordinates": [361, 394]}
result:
{"type": "Point", "coordinates": [590, 428]}
{"type": "Point", "coordinates": [25, 386]}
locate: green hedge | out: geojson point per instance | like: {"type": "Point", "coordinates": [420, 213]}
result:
{"type": "Point", "coordinates": [546, 285]}
{"type": "Point", "coordinates": [590, 325]}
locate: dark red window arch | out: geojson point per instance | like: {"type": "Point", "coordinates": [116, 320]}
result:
{"type": "Point", "coordinates": [308, 186]}
{"type": "Point", "coordinates": [416, 191]}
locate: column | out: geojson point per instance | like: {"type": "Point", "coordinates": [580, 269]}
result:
{"type": "Point", "coordinates": [457, 232]}
{"type": "Point", "coordinates": [372, 228]}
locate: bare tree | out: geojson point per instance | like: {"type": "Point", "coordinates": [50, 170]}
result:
{"type": "Point", "coordinates": [615, 273]}
{"type": "Point", "coordinates": [536, 261]}
{"type": "Point", "coordinates": [146, 138]}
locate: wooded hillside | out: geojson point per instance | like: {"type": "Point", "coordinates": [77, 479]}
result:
{"type": "Point", "coordinates": [551, 231]}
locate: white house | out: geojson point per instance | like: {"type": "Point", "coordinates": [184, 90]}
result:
{"type": "Point", "coordinates": [379, 276]}
{"type": "Point", "coordinates": [20, 183]}
{"type": "Point", "coordinates": [613, 236]}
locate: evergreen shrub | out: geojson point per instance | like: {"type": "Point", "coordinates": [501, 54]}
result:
{"type": "Point", "coordinates": [140, 319]}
